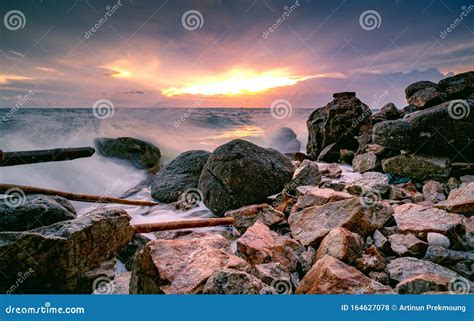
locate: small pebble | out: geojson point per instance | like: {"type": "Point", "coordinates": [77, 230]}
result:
{"type": "Point", "coordinates": [438, 240]}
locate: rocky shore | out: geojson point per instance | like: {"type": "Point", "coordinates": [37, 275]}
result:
{"type": "Point", "coordinates": [403, 223]}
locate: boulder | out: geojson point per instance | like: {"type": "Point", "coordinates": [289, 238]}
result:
{"type": "Point", "coordinates": [459, 86]}
{"type": "Point", "coordinates": [371, 260]}
{"type": "Point", "coordinates": [330, 170]}
{"type": "Point", "coordinates": [338, 121]}
{"type": "Point", "coordinates": [419, 85]}
{"type": "Point", "coordinates": [270, 273]}
{"type": "Point", "coordinates": [34, 211]}
{"type": "Point", "coordinates": [380, 241]}
{"type": "Point", "coordinates": [230, 281]}
{"type": "Point", "coordinates": [331, 276]}
{"type": "Point", "coordinates": [393, 134]}
{"type": "Point", "coordinates": [460, 200]}
{"type": "Point", "coordinates": [311, 196]}
{"type": "Point", "coordinates": [312, 224]}
{"type": "Point", "coordinates": [366, 162]}
{"type": "Point", "coordinates": [128, 252]}
{"type": "Point", "coordinates": [331, 153]}
{"type": "Point", "coordinates": [436, 239]}
{"type": "Point", "coordinates": [405, 267]}
{"type": "Point", "coordinates": [179, 176]}
{"type": "Point", "coordinates": [140, 154]}
{"type": "Point", "coordinates": [407, 245]}
{"type": "Point", "coordinates": [442, 256]}
{"type": "Point", "coordinates": [306, 174]}
{"type": "Point", "coordinates": [417, 167]}
{"type": "Point", "coordinates": [64, 251]}
{"type": "Point", "coordinates": [369, 181]}
{"type": "Point", "coordinates": [427, 97]}
{"type": "Point", "coordinates": [423, 283]}
{"type": "Point", "coordinates": [387, 112]}
{"type": "Point", "coordinates": [246, 216]}
{"type": "Point", "coordinates": [240, 173]}
{"type": "Point", "coordinates": [288, 252]}
{"type": "Point", "coordinates": [433, 191]}
{"type": "Point", "coordinates": [341, 244]}
{"type": "Point", "coordinates": [285, 141]}
{"type": "Point", "coordinates": [256, 244]}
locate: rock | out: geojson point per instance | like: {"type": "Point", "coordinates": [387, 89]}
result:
{"type": "Point", "coordinates": [365, 163]}
{"type": "Point", "coordinates": [246, 216]}
{"type": "Point", "coordinates": [179, 176]}
{"type": "Point", "coordinates": [330, 170]}
{"type": "Point", "coordinates": [421, 220]}
{"type": "Point", "coordinates": [442, 256]}
{"type": "Point", "coordinates": [256, 244]}
{"type": "Point", "coordinates": [271, 272]}
{"type": "Point", "coordinates": [307, 259]}
{"type": "Point", "coordinates": [433, 191]}
{"type": "Point", "coordinates": [288, 252]}
{"type": "Point", "coordinates": [331, 153]}
{"type": "Point", "coordinates": [405, 267]}
{"type": "Point", "coordinates": [140, 154]}
{"type": "Point", "coordinates": [34, 211]}
{"type": "Point", "coordinates": [229, 281]}
{"type": "Point", "coordinates": [408, 110]}
{"type": "Point", "coordinates": [285, 141]}
{"type": "Point", "coordinates": [127, 254]}
{"type": "Point", "coordinates": [64, 251]}
{"type": "Point", "coordinates": [369, 181]}
{"type": "Point", "coordinates": [311, 196]}
{"type": "Point", "coordinates": [436, 239]}
{"type": "Point", "coordinates": [331, 276]}
{"type": "Point", "coordinates": [364, 138]}
{"type": "Point", "coordinates": [240, 173]}
{"type": "Point", "coordinates": [393, 134]}
{"type": "Point", "coordinates": [341, 244]}
{"type": "Point", "coordinates": [183, 265]}
{"type": "Point", "coordinates": [423, 283]}
{"type": "Point", "coordinates": [417, 167]}
{"type": "Point", "coordinates": [346, 156]}
{"type": "Point", "coordinates": [102, 277]}
{"type": "Point", "coordinates": [339, 121]}
{"type": "Point", "coordinates": [460, 200]}
{"type": "Point", "coordinates": [419, 85]}
{"type": "Point", "coordinates": [380, 277]}
{"type": "Point", "coordinates": [427, 97]}
{"type": "Point", "coordinates": [380, 241]}
{"type": "Point", "coordinates": [387, 112]}
{"type": "Point", "coordinates": [312, 224]}
{"type": "Point", "coordinates": [407, 245]}
{"type": "Point", "coordinates": [459, 86]}
{"type": "Point", "coordinates": [306, 174]}
{"type": "Point", "coordinates": [371, 260]}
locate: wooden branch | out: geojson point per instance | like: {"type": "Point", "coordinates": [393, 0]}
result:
{"type": "Point", "coordinates": [45, 155]}
{"type": "Point", "coordinates": [73, 196]}
{"type": "Point", "coordinates": [180, 225]}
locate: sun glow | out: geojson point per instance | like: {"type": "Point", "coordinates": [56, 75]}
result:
{"type": "Point", "coordinates": [237, 82]}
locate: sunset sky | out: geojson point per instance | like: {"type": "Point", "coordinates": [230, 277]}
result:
{"type": "Point", "coordinates": [148, 55]}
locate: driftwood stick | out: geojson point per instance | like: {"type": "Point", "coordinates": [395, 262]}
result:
{"type": "Point", "coordinates": [45, 155]}
{"type": "Point", "coordinates": [73, 196]}
{"type": "Point", "coordinates": [180, 225]}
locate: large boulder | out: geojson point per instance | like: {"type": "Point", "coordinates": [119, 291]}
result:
{"type": "Point", "coordinates": [417, 167]}
{"type": "Point", "coordinates": [405, 267]}
{"type": "Point", "coordinates": [140, 154]}
{"type": "Point", "coordinates": [179, 176]}
{"type": "Point", "coordinates": [61, 255]}
{"type": "Point", "coordinates": [427, 97]}
{"type": "Point", "coordinates": [341, 244]}
{"type": "Point", "coordinates": [338, 121]}
{"type": "Point", "coordinates": [459, 86]}
{"type": "Point", "coordinates": [34, 211]}
{"type": "Point", "coordinates": [256, 244]}
{"type": "Point", "coordinates": [417, 86]}
{"type": "Point", "coordinates": [241, 173]}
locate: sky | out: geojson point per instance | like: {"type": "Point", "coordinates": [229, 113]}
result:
{"type": "Point", "coordinates": [222, 53]}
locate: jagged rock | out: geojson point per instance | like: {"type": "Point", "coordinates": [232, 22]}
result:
{"type": "Point", "coordinates": [423, 283]}
{"type": "Point", "coordinates": [182, 265]}
{"type": "Point", "coordinates": [240, 173]}
{"type": "Point", "coordinates": [371, 260]}
{"type": "Point", "coordinates": [369, 181]}
{"type": "Point", "coordinates": [285, 141]}
{"type": "Point", "coordinates": [140, 154]}
{"type": "Point", "coordinates": [452, 183]}
{"type": "Point", "coordinates": [229, 281]}
{"type": "Point", "coordinates": [331, 276]}
{"type": "Point", "coordinates": [330, 154]}
{"type": "Point", "coordinates": [339, 121]}
{"type": "Point", "coordinates": [421, 220]}
{"type": "Point", "coordinates": [127, 254]}
{"type": "Point", "coordinates": [311, 196]}
{"type": "Point", "coordinates": [256, 244]}
{"type": "Point", "coordinates": [364, 138]}
{"type": "Point", "coordinates": [63, 251]}
{"type": "Point", "coordinates": [459, 86]}
{"type": "Point", "coordinates": [34, 211]}
{"type": "Point", "coordinates": [427, 97]}
{"type": "Point", "coordinates": [419, 85]}
{"type": "Point", "coordinates": [387, 112]}
{"type": "Point", "coordinates": [246, 216]}
{"type": "Point", "coordinates": [312, 224]}
{"type": "Point", "coordinates": [330, 170]}
{"type": "Point", "coordinates": [405, 267]}
{"type": "Point", "coordinates": [365, 163]}
{"type": "Point", "coordinates": [433, 191]}
{"type": "Point", "coordinates": [380, 277]}
{"type": "Point", "coordinates": [460, 200]}
{"type": "Point", "coordinates": [306, 174]}
{"type": "Point", "coordinates": [271, 272]}
{"type": "Point", "coordinates": [436, 239]}
{"type": "Point", "coordinates": [288, 252]}
{"type": "Point", "coordinates": [417, 167]}
{"type": "Point", "coordinates": [346, 156]}
{"type": "Point", "coordinates": [341, 244]}
{"type": "Point", "coordinates": [380, 241]}
{"type": "Point", "coordinates": [307, 259]}
{"type": "Point", "coordinates": [179, 176]}
{"type": "Point", "coordinates": [407, 245]}
{"type": "Point", "coordinates": [442, 256]}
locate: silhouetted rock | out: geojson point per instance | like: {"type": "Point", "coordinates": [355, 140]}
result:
{"type": "Point", "coordinates": [459, 86]}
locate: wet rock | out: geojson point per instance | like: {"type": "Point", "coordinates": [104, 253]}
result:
{"type": "Point", "coordinates": [460, 200]}
{"type": "Point", "coordinates": [140, 154]}
{"type": "Point", "coordinates": [285, 141]}
{"type": "Point", "coordinates": [311, 196]}
{"type": "Point", "coordinates": [34, 211]}
{"type": "Point", "coordinates": [459, 86]}
{"type": "Point", "coordinates": [369, 181]}
{"type": "Point", "coordinates": [419, 85]}
{"type": "Point", "coordinates": [306, 174]}
{"type": "Point", "coordinates": [423, 283]}
{"type": "Point", "coordinates": [179, 176]}
{"type": "Point", "coordinates": [331, 153]}
{"type": "Point", "coordinates": [246, 216]}
{"type": "Point", "coordinates": [405, 267]}
{"type": "Point", "coordinates": [312, 224]}
{"type": "Point", "coordinates": [433, 191]}
{"type": "Point", "coordinates": [183, 265]}
{"type": "Point", "coordinates": [331, 276]}
{"type": "Point", "coordinates": [436, 239]}
{"type": "Point", "coordinates": [427, 97]}
{"type": "Point", "coordinates": [341, 244]}
{"type": "Point", "coordinates": [417, 167]}
{"type": "Point", "coordinates": [371, 260]}
{"type": "Point", "coordinates": [393, 134]}
{"type": "Point", "coordinates": [421, 220]}
{"type": "Point", "coordinates": [240, 173]}
{"type": "Point", "coordinates": [407, 245]}
{"type": "Point", "coordinates": [63, 251]}
{"type": "Point", "coordinates": [442, 256]}
{"type": "Point", "coordinates": [330, 170]}
{"type": "Point", "coordinates": [256, 244]}
{"type": "Point", "coordinates": [229, 281]}
{"type": "Point", "coordinates": [127, 254]}
{"type": "Point", "coordinates": [365, 163]}
{"type": "Point", "coordinates": [339, 121]}
{"type": "Point", "coordinates": [271, 272]}
{"type": "Point", "coordinates": [387, 112]}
